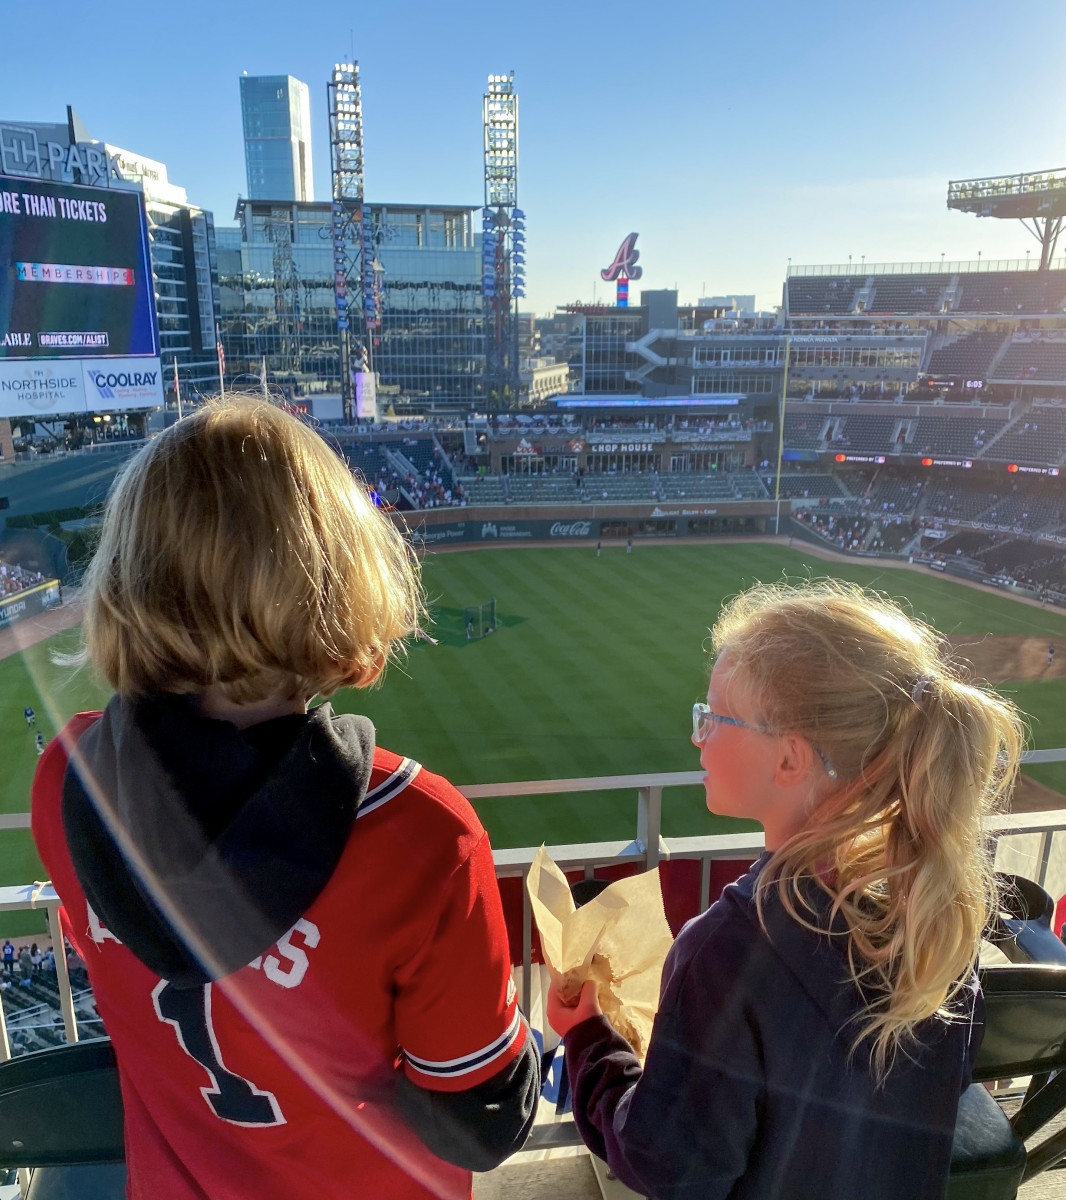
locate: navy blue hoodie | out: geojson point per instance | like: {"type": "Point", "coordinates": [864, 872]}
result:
{"type": "Point", "coordinates": [750, 1088]}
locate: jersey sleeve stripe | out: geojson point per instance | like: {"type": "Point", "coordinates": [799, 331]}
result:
{"type": "Point", "coordinates": [467, 1064]}
{"type": "Point", "coordinates": [385, 791]}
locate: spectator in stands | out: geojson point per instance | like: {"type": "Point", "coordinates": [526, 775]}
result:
{"type": "Point", "coordinates": [257, 961]}
{"type": "Point", "coordinates": [818, 1024]}
{"type": "Point", "coordinates": [7, 953]}
{"type": "Point", "coordinates": [75, 968]}
{"type": "Point", "coordinates": [14, 579]}
{"type": "Point", "coordinates": [25, 966]}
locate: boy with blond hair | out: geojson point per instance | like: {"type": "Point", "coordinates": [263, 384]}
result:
{"type": "Point", "coordinates": [294, 936]}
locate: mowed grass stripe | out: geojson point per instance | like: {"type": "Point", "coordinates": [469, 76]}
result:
{"type": "Point", "coordinates": [593, 670]}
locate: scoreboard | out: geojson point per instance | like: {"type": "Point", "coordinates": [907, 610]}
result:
{"type": "Point", "coordinates": [77, 311]}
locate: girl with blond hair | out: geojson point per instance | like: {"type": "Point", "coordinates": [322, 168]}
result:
{"type": "Point", "coordinates": [817, 1025]}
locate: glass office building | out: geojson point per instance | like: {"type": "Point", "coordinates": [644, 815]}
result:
{"type": "Point", "coordinates": [276, 285]}
{"type": "Point", "coordinates": [276, 114]}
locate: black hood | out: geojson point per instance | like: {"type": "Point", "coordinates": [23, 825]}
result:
{"type": "Point", "coordinates": [197, 844]}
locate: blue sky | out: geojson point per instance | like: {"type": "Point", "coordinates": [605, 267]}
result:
{"type": "Point", "coordinates": [732, 137]}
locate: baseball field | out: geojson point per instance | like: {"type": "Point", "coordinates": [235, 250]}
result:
{"type": "Point", "coordinates": [592, 670]}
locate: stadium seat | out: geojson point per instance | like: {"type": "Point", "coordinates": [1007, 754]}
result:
{"type": "Point", "coordinates": [1025, 1023]}
{"type": "Point", "coordinates": [61, 1113]}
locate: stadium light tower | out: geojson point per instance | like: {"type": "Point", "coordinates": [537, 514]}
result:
{"type": "Point", "coordinates": [1037, 199]}
{"type": "Point", "coordinates": [352, 229]}
{"type": "Point", "coordinates": [502, 238]}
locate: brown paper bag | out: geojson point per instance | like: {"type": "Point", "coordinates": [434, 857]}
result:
{"type": "Point", "coordinates": [620, 939]}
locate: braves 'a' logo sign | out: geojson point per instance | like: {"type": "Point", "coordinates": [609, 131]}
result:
{"type": "Point", "coordinates": [625, 261]}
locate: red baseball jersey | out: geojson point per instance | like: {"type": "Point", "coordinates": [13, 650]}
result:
{"type": "Point", "coordinates": [273, 1081]}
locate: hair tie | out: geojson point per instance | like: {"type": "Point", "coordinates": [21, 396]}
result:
{"type": "Point", "coordinates": [920, 688]}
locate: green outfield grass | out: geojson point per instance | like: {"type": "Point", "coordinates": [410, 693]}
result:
{"type": "Point", "coordinates": [592, 671]}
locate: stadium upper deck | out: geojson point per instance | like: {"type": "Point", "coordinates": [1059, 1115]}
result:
{"type": "Point", "coordinates": [975, 289]}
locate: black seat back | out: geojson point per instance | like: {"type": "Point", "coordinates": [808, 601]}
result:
{"type": "Point", "coordinates": [1025, 1021]}
{"type": "Point", "coordinates": [61, 1107]}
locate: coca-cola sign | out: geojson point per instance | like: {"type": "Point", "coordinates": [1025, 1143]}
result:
{"type": "Point", "coordinates": [571, 529]}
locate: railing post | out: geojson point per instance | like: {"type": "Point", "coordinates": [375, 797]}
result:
{"type": "Point", "coordinates": [1045, 855]}
{"type": "Point", "coordinates": [649, 823]}
{"type": "Point", "coordinates": [527, 948]}
{"type": "Point", "coordinates": [66, 996]}
{"type": "Point", "coordinates": [5, 1045]}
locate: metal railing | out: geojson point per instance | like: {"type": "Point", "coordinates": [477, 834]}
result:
{"type": "Point", "coordinates": [1030, 844]}
{"type": "Point", "coordinates": [859, 270]}
{"type": "Point", "coordinates": [649, 847]}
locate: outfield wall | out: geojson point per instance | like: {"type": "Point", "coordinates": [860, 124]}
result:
{"type": "Point", "coordinates": [563, 523]}
{"type": "Point", "coordinates": [30, 603]}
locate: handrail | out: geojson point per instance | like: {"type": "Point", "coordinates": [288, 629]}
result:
{"type": "Point", "coordinates": [860, 270]}
{"type": "Point", "coordinates": [646, 850]}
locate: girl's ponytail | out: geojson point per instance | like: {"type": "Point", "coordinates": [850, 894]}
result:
{"type": "Point", "coordinates": [923, 756]}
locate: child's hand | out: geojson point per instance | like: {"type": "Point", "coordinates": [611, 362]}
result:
{"type": "Point", "coordinates": [562, 1018]}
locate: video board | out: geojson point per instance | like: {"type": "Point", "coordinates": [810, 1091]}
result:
{"type": "Point", "coordinates": [75, 273]}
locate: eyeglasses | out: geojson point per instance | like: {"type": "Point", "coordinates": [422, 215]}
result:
{"type": "Point", "coordinates": [703, 717]}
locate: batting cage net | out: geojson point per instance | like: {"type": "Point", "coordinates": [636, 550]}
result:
{"type": "Point", "coordinates": [479, 619]}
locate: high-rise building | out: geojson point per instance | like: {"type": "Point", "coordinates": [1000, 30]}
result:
{"type": "Point", "coordinates": [277, 300]}
{"type": "Point", "coordinates": [276, 114]}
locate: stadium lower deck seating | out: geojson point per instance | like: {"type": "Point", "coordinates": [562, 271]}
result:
{"type": "Point", "coordinates": [893, 495]}
{"type": "Point", "coordinates": [619, 489]}
{"type": "Point", "coordinates": [803, 432]}
{"type": "Point", "coordinates": [748, 486]}
{"type": "Point", "coordinates": [366, 457]}
{"type": "Point", "coordinates": [1027, 511]}
{"type": "Point", "coordinates": [1014, 558]}
{"type": "Point", "coordinates": [955, 503]}
{"type": "Point", "coordinates": [32, 1014]}
{"type": "Point", "coordinates": [486, 489]}
{"type": "Point", "coordinates": [846, 531]}
{"type": "Point", "coordinates": [813, 486]}
{"type": "Point", "coordinates": [538, 489]}
{"type": "Point", "coordinates": [425, 454]}
{"type": "Point", "coordinates": [892, 535]}
{"type": "Point", "coordinates": [968, 541]}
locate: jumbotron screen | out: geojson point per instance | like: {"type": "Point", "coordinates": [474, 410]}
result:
{"type": "Point", "coordinates": [75, 276]}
